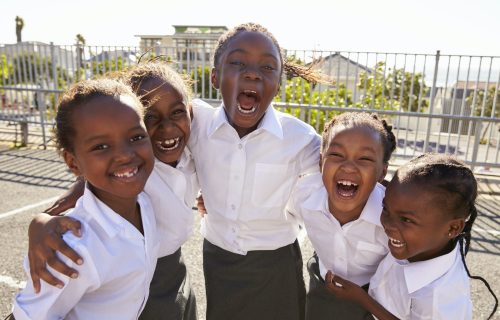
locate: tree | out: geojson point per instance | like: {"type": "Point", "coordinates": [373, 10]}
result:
{"type": "Point", "coordinates": [490, 99]}
{"type": "Point", "coordinates": [393, 89]}
{"type": "Point", "coordinates": [19, 28]}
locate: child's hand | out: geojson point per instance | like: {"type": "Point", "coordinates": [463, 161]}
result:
{"type": "Point", "coordinates": [343, 289]}
{"type": "Point", "coordinates": [44, 240]}
{"type": "Point", "coordinates": [201, 205]}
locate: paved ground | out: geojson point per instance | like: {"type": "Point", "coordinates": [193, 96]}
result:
{"type": "Point", "coordinates": [30, 179]}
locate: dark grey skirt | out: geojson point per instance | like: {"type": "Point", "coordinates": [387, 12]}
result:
{"type": "Point", "coordinates": [322, 305]}
{"type": "Point", "coordinates": [170, 294]}
{"type": "Point", "coordinates": [262, 285]}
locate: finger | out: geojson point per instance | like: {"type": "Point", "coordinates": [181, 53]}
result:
{"type": "Point", "coordinates": [60, 266]}
{"type": "Point", "coordinates": [329, 277]}
{"type": "Point", "coordinates": [73, 225]}
{"type": "Point", "coordinates": [35, 279]}
{"type": "Point", "coordinates": [48, 277]}
{"type": "Point", "coordinates": [62, 247]}
{"type": "Point", "coordinates": [340, 280]}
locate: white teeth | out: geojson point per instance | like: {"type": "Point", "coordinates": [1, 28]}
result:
{"type": "Point", "coordinates": [246, 111]}
{"type": "Point", "coordinates": [347, 183]}
{"type": "Point", "coordinates": [174, 142]}
{"type": "Point", "coordinates": [249, 92]}
{"type": "Point", "coordinates": [127, 174]}
{"type": "Point", "coordinates": [397, 243]}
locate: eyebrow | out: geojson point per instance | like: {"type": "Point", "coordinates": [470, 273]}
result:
{"type": "Point", "coordinates": [336, 144]}
{"type": "Point", "coordinates": [239, 50]}
{"type": "Point", "coordinates": [103, 136]}
{"type": "Point", "coordinates": [384, 203]}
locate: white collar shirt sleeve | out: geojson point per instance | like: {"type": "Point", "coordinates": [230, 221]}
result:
{"type": "Point", "coordinates": [352, 251]}
{"type": "Point", "coordinates": [172, 193]}
{"type": "Point", "coordinates": [247, 182]}
{"type": "Point", "coordinates": [113, 282]}
{"type": "Point", "coordinates": [433, 289]}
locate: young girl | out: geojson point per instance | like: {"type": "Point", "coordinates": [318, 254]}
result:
{"type": "Point", "coordinates": [341, 209]}
{"type": "Point", "coordinates": [171, 187]}
{"type": "Point", "coordinates": [249, 157]}
{"type": "Point", "coordinates": [428, 214]}
{"type": "Point", "coordinates": [103, 139]}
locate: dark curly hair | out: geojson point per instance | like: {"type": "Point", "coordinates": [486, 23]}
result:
{"type": "Point", "coordinates": [290, 68]}
{"type": "Point", "coordinates": [362, 119]}
{"type": "Point", "coordinates": [77, 96]}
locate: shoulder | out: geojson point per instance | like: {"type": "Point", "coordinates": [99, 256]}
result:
{"type": "Point", "coordinates": [201, 108]}
{"type": "Point", "coordinates": [294, 125]}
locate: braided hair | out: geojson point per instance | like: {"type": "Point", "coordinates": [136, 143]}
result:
{"type": "Point", "coordinates": [457, 181]}
{"type": "Point", "coordinates": [290, 68]}
{"type": "Point", "coordinates": [357, 119]}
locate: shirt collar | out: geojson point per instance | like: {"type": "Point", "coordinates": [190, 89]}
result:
{"type": "Point", "coordinates": [110, 221]}
{"type": "Point", "coordinates": [371, 211]}
{"type": "Point", "coordinates": [373, 207]}
{"type": "Point", "coordinates": [270, 122]}
{"type": "Point", "coordinates": [422, 273]}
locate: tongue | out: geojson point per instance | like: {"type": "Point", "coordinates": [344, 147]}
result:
{"type": "Point", "coordinates": [346, 191]}
{"type": "Point", "coordinates": [246, 102]}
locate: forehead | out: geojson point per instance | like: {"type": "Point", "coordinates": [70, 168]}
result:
{"type": "Point", "coordinates": [354, 133]}
{"type": "Point", "coordinates": [107, 106]}
{"type": "Point", "coordinates": [250, 41]}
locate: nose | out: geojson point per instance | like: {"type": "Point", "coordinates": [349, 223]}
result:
{"type": "Point", "coordinates": [124, 153]}
{"type": "Point", "coordinates": [252, 73]}
{"type": "Point", "coordinates": [348, 166]}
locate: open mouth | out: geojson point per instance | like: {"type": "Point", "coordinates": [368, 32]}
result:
{"type": "Point", "coordinates": [346, 188]}
{"type": "Point", "coordinates": [248, 101]}
{"type": "Point", "coordinates": [127, 173]}
{"type": "Point", "coordinates": [396, 243]}
{"type": "Point", "coordinates": [168, 144]}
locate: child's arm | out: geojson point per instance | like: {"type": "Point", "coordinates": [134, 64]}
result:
{"type": "Point", "coordinates": [353, 292]}
{"type": "Point", "coordinates": [45, 239]}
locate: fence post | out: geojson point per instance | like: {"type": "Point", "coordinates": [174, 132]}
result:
{"type": "Point", "coordinates": [42, 108]}
{"type": "Point", "coordinates": [431, 107]}
{"type": "Point", "coordinates": [24, 133]}
{"type": "Point", "coordinates": [477, 141]}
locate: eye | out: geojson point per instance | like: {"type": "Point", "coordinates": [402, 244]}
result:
{"type": "Point", "coordinates": [138, 137]}
{"type": "Point", "coordinates": [268, 68]}
{"type": "Point", "coordinates": [405, 219]}
{"type": "Point", "coordinates": [368, 159]}
{"type": "Point", "coordinates": [236, 63]}
{"type": "Point", "coordinates": [150, 117]}
{"type": "Point", "coordinates": [101, 146]}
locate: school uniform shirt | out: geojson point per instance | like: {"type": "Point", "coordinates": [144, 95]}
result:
{"type": "Point", "coordinates": [433, 289]}
{"type": "Point", "coordinates": [246, 182]}
{"type": "Point", "coordinates": [172, 192]}
{"type": "Point", "coordinates": [113, 281]}
{"type": "Point", "coordinates": [353, 250]}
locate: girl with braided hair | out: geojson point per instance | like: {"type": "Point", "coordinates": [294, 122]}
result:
{"type": "Point", "coordinates": [429, 210]}
{"type": "Point", "coordinates": [341, 209]}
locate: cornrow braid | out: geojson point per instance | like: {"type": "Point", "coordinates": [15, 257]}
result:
{"type": "Point", "coordinates": [457, 180]}
{"type": "Point", "coordinates": [362, 119]}
{"type": "Point", "coordinates": [308, 73]}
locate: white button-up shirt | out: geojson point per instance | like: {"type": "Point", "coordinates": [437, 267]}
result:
{"type": "Point", "coordinates": [433, 289]}
{"type": "Point", "coordinates": [172, 192]}
{"type": "Point", "coordinates": [246, 182]}
{"type": "Point", "coordinates": [353, 250]}
{"type": "Point", "coordinates": [113, 282]}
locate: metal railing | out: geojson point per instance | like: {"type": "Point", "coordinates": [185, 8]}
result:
{"type": "Point", "coordinates": [435, 102]}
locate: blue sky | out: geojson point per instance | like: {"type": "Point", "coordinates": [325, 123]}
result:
{"type": "Point", "coordinates": [423, 26]}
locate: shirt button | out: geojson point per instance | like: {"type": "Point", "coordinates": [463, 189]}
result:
{"type": "Point", "coordinates": [233, 207]}
{"type": "Point", "coordinates": [240, 146]}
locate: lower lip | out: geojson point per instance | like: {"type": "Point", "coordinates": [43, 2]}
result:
{"type": "Point", "coordinates": [246, 112]}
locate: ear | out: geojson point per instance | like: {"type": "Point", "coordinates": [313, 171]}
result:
{"type": "Point", "coordinates": [72, 163]}
{"type": "Point", "coordinates": [214, 77]}
{"type": "Point", "coordinates": [455, 227]}
{"type": "Point", "coordinates": [383, 173]}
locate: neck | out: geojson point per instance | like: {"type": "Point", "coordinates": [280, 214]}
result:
{"type": "Point", "coordinates": [345, 216]}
